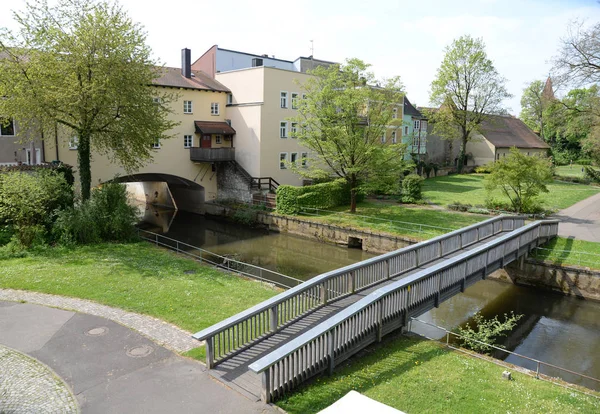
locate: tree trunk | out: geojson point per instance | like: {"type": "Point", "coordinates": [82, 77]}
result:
{"type": "Point", "coordinates": [85, 173]}
{"type": "Point", "coordinates": [353, 194]}
{"type": "Point", "coordinates": [461, 155]}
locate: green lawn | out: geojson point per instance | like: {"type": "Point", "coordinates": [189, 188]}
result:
{"type": "Point", "coordinates": [393, 218]}
{"type": "Point", "coordinates": [574, 170]}
{"type": "Point", "coordinates": [419, 376]}
{"type": "Point", "coordinates": [137, 277]}
{"type": "Point", "coordinates": [570, 252]}
{"type": "Point", "coordinates": [468, 188]}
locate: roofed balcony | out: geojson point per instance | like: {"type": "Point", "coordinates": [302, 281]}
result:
{"type": "Point", "coordinates": [212, 154]}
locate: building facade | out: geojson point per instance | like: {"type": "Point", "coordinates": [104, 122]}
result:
{"type": "Point", "coordinates": [414, 133]}
{"type": "Point", "coordinates": [15, 148]}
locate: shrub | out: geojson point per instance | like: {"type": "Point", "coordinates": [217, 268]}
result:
{"type": "Point", "coordinates": [411, 188]}
{"type": "Point", "coordinates": [458, 206]}
{"type": "Point", "coordinates": [592, 174]}
{"type": "Point", "coordinates": [28, 201]}
{"type": "Point", "coordinates": [107, 216]}
{"type": "Point", "coordinates": [487, 331]}
{"type": "Point", "coordinates": [245, 216]}
{"type": "Point", "coordinates": [478, 210]}
{"type": "Point", "coordinates": [583, 161]}
{"type": "Point", "coordinates": [325, 195]}
{"type": "Point", "coordinates": [484, 169]}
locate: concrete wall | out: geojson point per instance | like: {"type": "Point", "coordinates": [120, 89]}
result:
{"type": "Point", "coordinates": [568, 280]}
{"type": "Point", "coordinates": [14, 149]}
{"type": "Point", "coordinates": [150, 192]}
{"type": "Point", "coordinates": [228, 60]}
{"type": "Point", "coordinates": [482, 150]}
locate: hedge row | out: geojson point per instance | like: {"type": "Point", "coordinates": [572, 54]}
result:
{"type": "Point", "coordinates": [326, 195]}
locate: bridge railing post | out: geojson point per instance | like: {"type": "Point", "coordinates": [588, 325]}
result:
{"type": "Point", "coordinates": [323, 287]}
{"type": "Point", "coordinates": [209, 344]}
{"type": "Point", "coordinates": [274, 318]}
{"type": "Point", "coordinates": [265, 393]}
{"type": "Point", "coordinates": [331, 350]}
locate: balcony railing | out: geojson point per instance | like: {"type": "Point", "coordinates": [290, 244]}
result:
{"type": "Point", "coordinates": [212, 154]}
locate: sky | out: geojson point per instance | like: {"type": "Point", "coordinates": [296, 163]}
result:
{"type": "Point", "coordinates": [404, 38]}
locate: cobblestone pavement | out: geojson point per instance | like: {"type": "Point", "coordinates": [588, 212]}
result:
{"type": "Point", "coordinates": [161, 332]}
{"type": "Point", "coordinates": [28, 386]}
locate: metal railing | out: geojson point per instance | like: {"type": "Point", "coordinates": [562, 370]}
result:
{"type": "Point", "coordinates": [573, 257]}
{"type": "Point", "coordinates": [538, 364]}
{"type": "Point", "coordinates": [237, 333]}
{"type": "Point", "coordinates": [222, 262]}
{"type": "Point", "coordinates": [389, 308]}
{"type": "Point", "coordinates": [402, 225]}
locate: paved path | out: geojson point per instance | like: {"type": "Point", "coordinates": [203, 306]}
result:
{"type": "Point", "coordinates": [113, 369]}
{"type": "Point", "coordinates": [582, 220]}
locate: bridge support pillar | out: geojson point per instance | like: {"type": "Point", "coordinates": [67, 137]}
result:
{"type": "Point", "coordinates": [210, 351]}
{"type": "Point", "coordinates": [265, 395]}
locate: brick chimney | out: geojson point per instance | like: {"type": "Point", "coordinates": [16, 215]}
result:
{"type": "Point", "coordinates": [186, 63]}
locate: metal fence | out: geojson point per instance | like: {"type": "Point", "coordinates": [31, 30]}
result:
{"type": "Point", "coordinates": [591, 260]}
{"type": "Point", "coordinates": [540, 366]}
{"type": "Point", "coordinates": [222, 262]}
{"type": "Point", "coordinates": [397, 224]}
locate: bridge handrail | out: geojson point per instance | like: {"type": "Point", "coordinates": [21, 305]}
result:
{"type": "Point", "coordinates": [327, 327]}
{"type": "Point", "coordinates": [317, 289]}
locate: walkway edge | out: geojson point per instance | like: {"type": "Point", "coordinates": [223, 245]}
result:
{"type": "Point", "coordinates": [159, 331]}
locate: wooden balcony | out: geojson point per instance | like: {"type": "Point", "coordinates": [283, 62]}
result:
{"type": "Point", "coordinates": [212, 154]}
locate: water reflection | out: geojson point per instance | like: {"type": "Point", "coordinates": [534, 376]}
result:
{"type": "Point", "coordinates": [285, 253]}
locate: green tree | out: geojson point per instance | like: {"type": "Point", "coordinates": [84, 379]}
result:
{"type": "Point", "coordinates": [532, 106]}
{"type": "Point", "coordinates": [467, 88]}
{"type": "Point", "coordinates": [84, 65]}
{"type": "Point", "coordinates": [521, 178]}
{"type": "Point", "coordinates": [342, 120]}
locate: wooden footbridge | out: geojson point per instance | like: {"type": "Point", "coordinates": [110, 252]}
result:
{"type": "Point", "coordinates": [274, 346]}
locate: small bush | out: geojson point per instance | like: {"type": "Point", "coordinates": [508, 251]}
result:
{"type": "Point", "coordinates": [592, 174]}
{"type": "Point", "coordinates": [583, 161]}
{"type": "Point", "coordinates": [484, 169]}
{"type": "Point", "coordinates": [458, 206]}
{"type": "Point", "coordinates": [487, 331]}
{"type": "Point", "coordinates": [107, 216]}
{"type": "Point", "coordinates": [478, 210]}
{"type": "Point", "coordinates": [412, 186]}
{"type": "Point", "coordinates": [246, 216]}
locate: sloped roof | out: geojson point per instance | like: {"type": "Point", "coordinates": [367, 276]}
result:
{"type": "Point", "coordinates": [210, 127]}
{"type": "Point", "coordinates": [201, 81]}
{"type": "Point", "coordinates": [505, 131]}
{"type": "Point", "coordinates": [409, 109]}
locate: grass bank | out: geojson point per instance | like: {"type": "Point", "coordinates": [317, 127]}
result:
{"type": "Point", "coordinates": [469, 188]}
{"type": "Point", "coordinates": [418, 376]}
{"type": "Point", "coordinates": [136, 277]}
{"type": "Point", "coordinates": [567, 251]}
{"type": "Point", "coordinates": [574, 170]}
{"type": "Point", "coordinates": [396, 219]}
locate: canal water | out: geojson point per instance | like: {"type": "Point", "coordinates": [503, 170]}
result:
{"type": "Point", "coordinates": [560, 330]}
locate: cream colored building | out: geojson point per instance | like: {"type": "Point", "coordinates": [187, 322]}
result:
{"type": "Point", "coordinates": [187, 161]}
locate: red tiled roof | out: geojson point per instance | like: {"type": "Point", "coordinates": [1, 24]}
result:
{"type": "Point", "coordinates": [210, 127]}
{"type": "Point", "coordinates": [201, 81]}
{"type": "Point", "coordinates": [508, 131]}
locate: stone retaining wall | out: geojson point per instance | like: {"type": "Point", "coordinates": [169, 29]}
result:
{"type": "Point", "coordinates": [568, 280]}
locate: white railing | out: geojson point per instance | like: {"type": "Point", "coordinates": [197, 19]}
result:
{"type": "Point", "coordinates": [237, 333]}
{"type": "Point", "coordinates": [389, 308]}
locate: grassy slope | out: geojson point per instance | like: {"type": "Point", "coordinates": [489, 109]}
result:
{"type": "Point", "coordinates": [418, 376]}
{"type": "Point", "coordinates": [468, 188]}
{"type": "Point", "coordinates": [570, 252]}
{"type": "Point", "coordinates": [136, 277]}
{"type": "Point", "coordinates": [391, 211]}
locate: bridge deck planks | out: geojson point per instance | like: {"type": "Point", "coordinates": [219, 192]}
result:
{"type": "Point", "coordinates": [234, 372]}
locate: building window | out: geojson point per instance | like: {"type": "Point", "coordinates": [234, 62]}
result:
{"type": "Point", "coordinates": [229, 99]}
{"type": "Point", "coordinates": [218, 139]}
{"type": "Point", "coordinates": [214, 108]}
{"type": "Point", "coordinates": [283, 99]}
{"type": "Point", "coordinates": [395, 113]}
{"type": "Point", "coordinates": [7, 127]}
{"type": "Point", "coordinates": [303, 96]}
{"type": "Point", "coordinates": [156, 143]}
{"type": "Point", "coordinates": [406, 131]}
{"type": "Point", "coordinates": [417, 124]}
{"type": "Point", "coordinates": [282, 160]}
{"type": "Point", "coordinates": [294, 101]}
{"type": "Point", "coordinates": [293, 158]}
{"type": "Point", "coordinates": [393, 137]}
{"type": "Point", "coordinates": [187, 107]}
{"type": "Point", "coordinates": [283, 129]}
{"type": "Point", "coordinates": [188, 141]}
{"type": "Point", "coordinates": [383, 138]}
{"type": "Point", "coordinates": [73, 143]}
{"type": "Point", "coordinates": [294, 129]}
{"type": "Point", "coordinates": [304, 159]}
